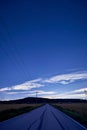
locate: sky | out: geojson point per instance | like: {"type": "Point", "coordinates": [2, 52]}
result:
{"type": "Point", "coordinates": [43, 48]}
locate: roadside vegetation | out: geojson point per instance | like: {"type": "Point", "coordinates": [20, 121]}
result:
{"type": "Point", "coordinates": [77, 111]}
{"type": "Point", "coordinates": [8, 111]}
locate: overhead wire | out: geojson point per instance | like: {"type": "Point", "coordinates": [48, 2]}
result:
{"type": "Point", "coordinates": [12, 51]}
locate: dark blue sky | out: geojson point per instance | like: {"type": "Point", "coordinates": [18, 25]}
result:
{"type": "Point", "coordinates": [41, 39]}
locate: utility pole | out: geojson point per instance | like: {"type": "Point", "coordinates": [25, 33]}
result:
{"type": "Point", "coordinates": [85, 91]}
{"type": "Point", "coordinates": [36, 96]}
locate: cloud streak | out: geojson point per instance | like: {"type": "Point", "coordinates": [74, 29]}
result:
{"type": "Point", "coordinates": [5, 89]}
{"type": "Point", "coordinates": [40, 82]}
{"type": "Point", "coordinates": [67, 78]}
{"type": "Point", "coordinates": [24, 86]}
{"type": "Point", "coordinates": [78, 93]}
{"type": "Point", "coordinates": [40, 92]}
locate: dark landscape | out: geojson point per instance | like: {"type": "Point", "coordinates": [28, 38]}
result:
{"type": "Point", "coordinates": [76, 108]}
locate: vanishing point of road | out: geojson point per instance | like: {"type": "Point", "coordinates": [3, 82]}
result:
{"type": "Point", "coordinates": [42, 118]}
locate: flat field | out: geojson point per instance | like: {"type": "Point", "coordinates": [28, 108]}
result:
{"type": "Point", "coordinates": [77, 107]}
{"type": "Point", "coordinates": [8, 111]}
{"type": "Point", "coordinates": [78, 111]}
{"type": "Point", "coordinates": [16, 106]}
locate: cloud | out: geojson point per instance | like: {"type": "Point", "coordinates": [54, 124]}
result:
{"type": "Point", "coordinates": [24, 86]}
{"type": "Point", "coordinates": [12, 94]}
{"type": "Point", "coordinates": [40, 82]}
{"type": "Point", "coordinates": [40, 92]}
{"type": "Point", "coordinates": [80, 90]}
{"type": "Point", "coordinates": [64, 96]}
{"type": "Point", "coordinates": [4, 89]}
{"type": "Point", "coordinates": [75, 94]}
{"type": "Point", "coordinates": [78, 93]}
{"type": "Point", "coordinates": [70, 96]}
{"type": "Point", "coordinates": [52, 94]}
{"type": "Point", "coordinates": [67, 78]}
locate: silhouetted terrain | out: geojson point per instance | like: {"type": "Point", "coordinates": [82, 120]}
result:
{"type": "Point", "coordinates": [30, 100]}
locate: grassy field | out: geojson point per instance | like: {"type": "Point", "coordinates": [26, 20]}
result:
{"type": "Point", "coordinates": [78, 111]}
{"type": "Point", "coordinates": [8, 111]}
{"type": "Point", "coordinates": [15, 106]}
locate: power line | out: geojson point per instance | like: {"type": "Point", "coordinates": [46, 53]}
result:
{"type": "Point", "coordinates": [16, 56]}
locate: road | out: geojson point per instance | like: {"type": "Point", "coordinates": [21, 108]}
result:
{"type": "Point", "coordinates": [42, 118]}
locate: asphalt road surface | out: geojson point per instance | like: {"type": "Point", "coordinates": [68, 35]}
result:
{"type": "Point", "coordinates": [43, 118]}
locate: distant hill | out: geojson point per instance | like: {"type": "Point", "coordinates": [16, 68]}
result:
{"type": "Point", "coordinates": [30, 100]}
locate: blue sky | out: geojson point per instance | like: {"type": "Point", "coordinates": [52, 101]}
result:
{"type": "Point", "coordinates": [43, 48]}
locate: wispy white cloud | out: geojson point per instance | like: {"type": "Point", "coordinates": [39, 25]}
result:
{"type": "Point", "coordinates": [24, 86]}
{"type": "Point", "coordinates": [76, 91]}
{"type": "Point", "coordinates": [5, 89]}
{"type": "Point", "coordinates": [30, 92]}
{"type": "Point", "coordinates": [75, 94]}
{"type": "Point", "coordinates": [67, 78]}
{"type": "Point", "coordinates": [28, 86]}
{"type": "Point", "coordinates": [67, 96]}
{"type": "Point", "coordinates": [81, 90]}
